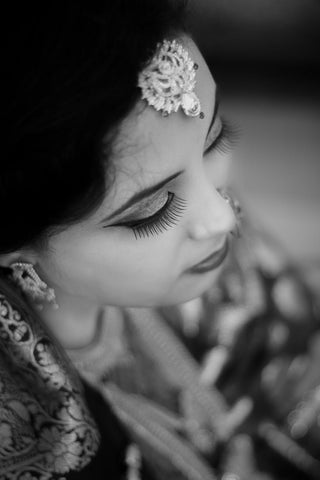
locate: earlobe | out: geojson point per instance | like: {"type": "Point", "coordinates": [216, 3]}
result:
{"type": "Point", "coordinates": [8, 259]}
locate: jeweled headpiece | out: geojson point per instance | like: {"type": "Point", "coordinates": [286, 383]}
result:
{"type": "Point", "coordinates": [168, 80]}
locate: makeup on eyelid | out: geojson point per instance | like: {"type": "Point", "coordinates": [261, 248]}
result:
{"type": "Point", "coordinates": [213, 133]}
{"type": "Point", "coordinates": [166, 217]}
{"type": "Point", "coordinates": [225, 140]}
{"type": "Point", "coordinates": [146, 208]}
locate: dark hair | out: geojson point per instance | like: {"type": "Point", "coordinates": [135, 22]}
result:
{"type": "Point", "coordinates": [70, 72]}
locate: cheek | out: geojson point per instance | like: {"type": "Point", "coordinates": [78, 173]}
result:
{"type": "Point", "coordinates": [105, 264]}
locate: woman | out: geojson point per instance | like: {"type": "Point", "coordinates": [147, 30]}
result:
{"type": "Point", "coordinates": [113, 191]}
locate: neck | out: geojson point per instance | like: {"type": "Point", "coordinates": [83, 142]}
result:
{"type": "Point", "coordinates": [74, 323]}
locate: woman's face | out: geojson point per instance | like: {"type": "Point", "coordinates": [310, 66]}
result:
{"type": "Point", "coordinates": [161, 217]}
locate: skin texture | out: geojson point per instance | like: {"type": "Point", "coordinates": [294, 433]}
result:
{"type": "Point", "coordinates": [92, 264]}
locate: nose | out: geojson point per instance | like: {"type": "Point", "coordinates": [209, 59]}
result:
{"type": "Point", "coordinates": [212, 216]}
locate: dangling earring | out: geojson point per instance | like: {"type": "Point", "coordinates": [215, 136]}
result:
{"type": "Point", "coordinates": [236, 208]}
{"type": "Point", "coordinates": [29, 281]}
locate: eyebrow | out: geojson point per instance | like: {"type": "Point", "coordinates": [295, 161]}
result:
{"type": "Point", "coordinates": [147, 192]}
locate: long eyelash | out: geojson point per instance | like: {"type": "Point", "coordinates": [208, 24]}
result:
{"type": "Point", "coordinates": [227, 139]}
{"type": "Point", "coordinates": [166, 217]}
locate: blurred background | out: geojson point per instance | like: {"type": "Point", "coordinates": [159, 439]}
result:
{"type": "Point", "coordinates": [265, 55]}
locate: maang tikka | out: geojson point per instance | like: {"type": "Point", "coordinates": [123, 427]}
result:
{"type": "Point", "coordinates": [25, 276]}
{"type": "Point", "coordinates": [168, 80]}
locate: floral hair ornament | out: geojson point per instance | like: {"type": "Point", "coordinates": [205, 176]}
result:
{"type": "Point", "coordinates": [168, 80]}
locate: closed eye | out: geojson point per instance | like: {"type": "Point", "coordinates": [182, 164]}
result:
{"type": "Point", "coordinates": [167, 216]}
{"type": "Point", "coordinates": [226, 139]}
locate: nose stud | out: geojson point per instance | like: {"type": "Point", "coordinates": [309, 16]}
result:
{"type": "Point", "coordinates": [236, 208]}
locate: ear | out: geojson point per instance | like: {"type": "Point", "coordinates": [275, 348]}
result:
{"type": "Point", "coordinates": [26, 256]}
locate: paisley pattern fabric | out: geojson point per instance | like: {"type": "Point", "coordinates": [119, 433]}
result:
{"type": "Point", "coordinates": [46, 430]}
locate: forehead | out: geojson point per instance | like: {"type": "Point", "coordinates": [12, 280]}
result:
{"type": "Point", "coordinates": [150, 147]}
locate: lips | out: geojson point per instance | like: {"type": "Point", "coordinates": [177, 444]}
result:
{"type": "Point", "coordinates": [212, 262]}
